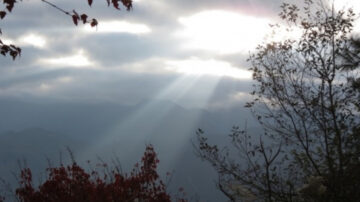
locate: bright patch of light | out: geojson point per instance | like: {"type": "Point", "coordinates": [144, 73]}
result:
{"type": "Point", "coordinates": [44, 87]}
{"type": "Point", "coordinates": [77, 60]}
{"type": "Point", "coordinates": [282, 33]}
{"type": "Point", "coordinates": [34, 40]}
{"type": "Point", "coordinates": [239, 96]}
{"type": "Point", "coordinates": [345, 4]}
{"type": "Point", "coordinates": [212, 67]}
{"type": "Point", "coordinates": [65, 79]}
{"type": "Point", "coordinates": [119, 27]}
{"type": "Point", "coordinates": [223, 31]}
{"type": "Point", "coordinates": [7, 41]}
{"type": "Point", "coordinates": [183, 87]}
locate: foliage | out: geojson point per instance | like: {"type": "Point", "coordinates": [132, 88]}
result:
{"type": "Point", "coordinates": [14, 51]}
{"type": "Point", "coordinates": [73, 183]}
{"type": "Point", "coordinates": [306, 98]}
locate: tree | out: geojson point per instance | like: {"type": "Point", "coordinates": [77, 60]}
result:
{"type": "Point", "coordinates": [307, 100]}
{"type": "Point", "coordinates": [73, 183]}
{"type": "Point", "coordinates": [14, 51]}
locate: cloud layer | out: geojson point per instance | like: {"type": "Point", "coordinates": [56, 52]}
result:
{"type": "Point", "coordinates": [135, 55]}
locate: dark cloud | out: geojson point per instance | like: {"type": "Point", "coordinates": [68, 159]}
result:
{"type": "Point", "coordinates": [128, 67]}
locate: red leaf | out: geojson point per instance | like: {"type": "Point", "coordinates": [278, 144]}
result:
{"type": "Point", "coordinates": [94, 23]}
{"type": "Point", "coordinates": [83, 18]}
{"type": "Point", "coordinates": [10, 4]}
{"type": "Point", "coordinates": [90, 2]}
{"type": "Point", "coordinates": [2, 14]}
{"type": "Point", "coordinates": [13, 54]}
{"type": "Point", "coordinates": [75, 19]}
{"type": "Point", "coordinates": [127, 4]}
{"type": "Point", "coordinates": [10, 7]}
{"type": "Point", "coordinates": [115, 4]}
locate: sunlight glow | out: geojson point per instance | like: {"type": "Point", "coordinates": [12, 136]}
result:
{"type": "Point", "coordinates": [31, 39]}
{"type": "Point", "coordinates": [44, 87]}
{"type": "Point", "coordinates": [119, 27]}
{"type": "Point", "coordinates": [157, 109]}
{"type": "Point", "coordinates": [348, 4]}
{"type": "Point", "coordinates": [345, 4]}
{"type": "Point", "coordinates": [7, 41]}
{"type": "Point", "coordinates": [65, 79]}
{"type": "Point", "coordinates": [223, 31]}
{"type": "Point", "coordinates": [77, 60]}
{"type": "Point", "coordinates": [195, 66]}
{"type": "Point", "coordinates": [34, 40]}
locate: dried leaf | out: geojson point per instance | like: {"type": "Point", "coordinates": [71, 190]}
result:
{"type": "Point", "coordinates": [84, 18]}
{"type": "Point", "coordinates": [94, 23]}
{"type": "Point", "coordinates": [90, 2]}
{"type": "Point", "coordinates": [75, 19]}
{"type": "Point", "coordinates": [2, 14]}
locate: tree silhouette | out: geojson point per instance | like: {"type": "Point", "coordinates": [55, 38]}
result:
{"type": "Point", "coordinates": [307, 100]}
{"type": "Point", "coordinates": [14, 51]}
{"type": "Point", "coordinates": [73, 183]}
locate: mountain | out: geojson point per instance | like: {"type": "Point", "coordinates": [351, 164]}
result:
{"type": "Point", "coordinates": [31, 148]}
{"type": "Point", "coordinates": [111, 130]}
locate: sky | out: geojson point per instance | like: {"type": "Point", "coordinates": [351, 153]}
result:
{"type": "Point", "coordinates": [165, 49]}
{"type": "Point", "coordinates": [190, 52]}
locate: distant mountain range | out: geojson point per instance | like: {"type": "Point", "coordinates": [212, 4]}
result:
{"type": "Point", "coordinates": [108, 130]}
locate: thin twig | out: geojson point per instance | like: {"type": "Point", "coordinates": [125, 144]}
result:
{"type": "Point", "coordinates": [56, 7]}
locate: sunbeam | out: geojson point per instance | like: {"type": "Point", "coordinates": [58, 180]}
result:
{"type": "Point", "coordinates": [164, 112]}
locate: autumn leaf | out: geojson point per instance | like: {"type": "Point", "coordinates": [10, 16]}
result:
{"type": "Point", "coordinates": [75, 19]}
{"type": "Point", "coordinates": [90, 2]}
{"type": "Point", "coordinates": [83, 18]}
{"type": "Point", "coordinates": [10, 4]}
{"type": "Point", "coordinates": [2, 14]}
{"type": "Point", "coordinates": [94, 23]}
{"type": "Point", "coordinates": [73, 183]}
{"type": "Point", "coordinates": [13, 54]}
{"type": "Point", "coordinates": [127, 4]}
{"type": "Point", "coordinates": [115, 4]}
{"type": "Point", "coordinates": [18, 50]}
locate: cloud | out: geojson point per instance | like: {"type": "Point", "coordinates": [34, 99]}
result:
{"type": "Point", "coordinates": [133, 55]}
{"type": "Point", "coordinates": [119, 27]}
{"type": "Point", "coordinates": [195, 66]}
{"type": "Point", "coordinates": [35, 40]}
{"type": "Point", "coordinates": [77, 59]}
{"type": "Point", "coordinates": [29, 39]}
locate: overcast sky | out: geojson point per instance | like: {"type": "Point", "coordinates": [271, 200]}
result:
{"type": "Point", "coordinates": [186, 51]}
{"type": "Point", "coordinates": [190, 52]}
